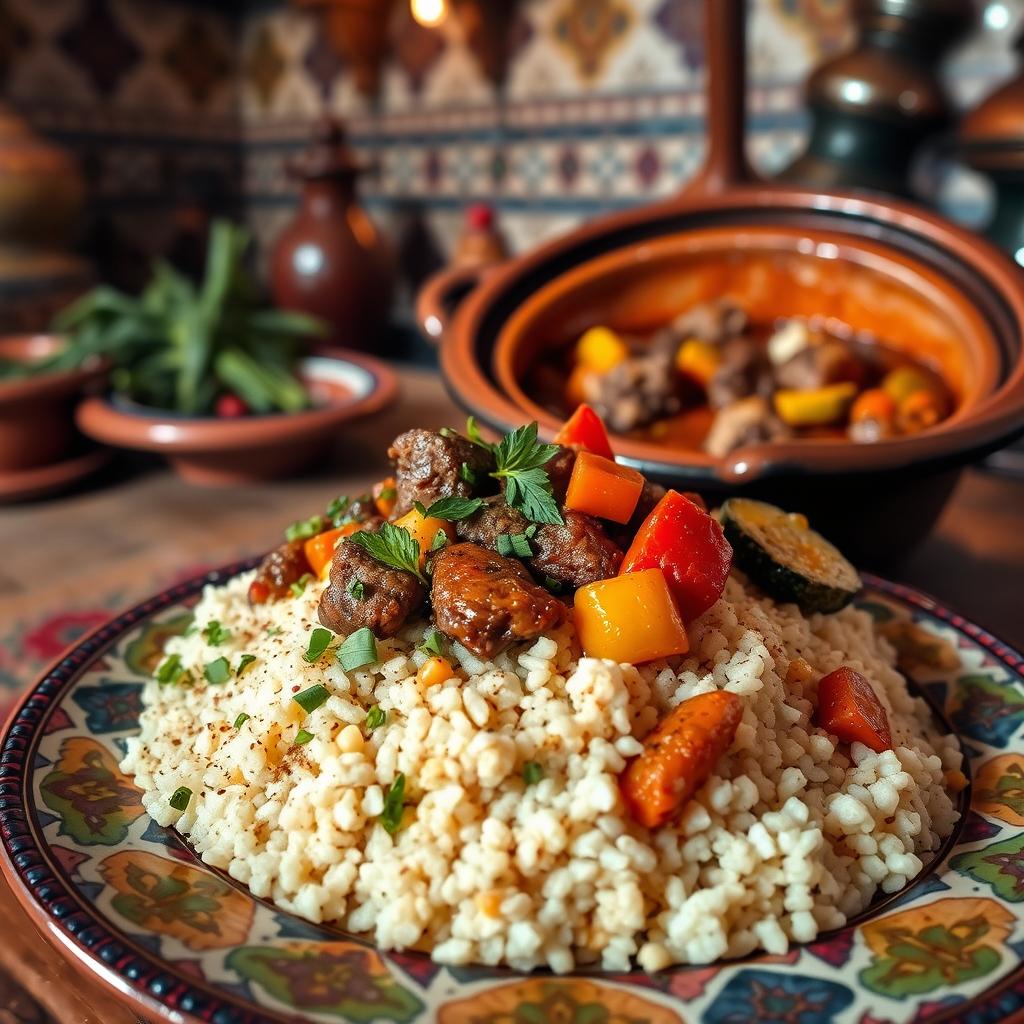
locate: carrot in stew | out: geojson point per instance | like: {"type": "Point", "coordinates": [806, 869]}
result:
{"type": "Point", "coordinates": [434, 671]}
{"type": "Point", "coordinates": [849, 708]}
{"type": "Point", "coordinates": [385, 496]}
{"type": "Point", "coordinates": [320, 549]}
{"type": "Point", "coordinates": [600, 487]}
{"type": "Point", "coordinates": [424, 530]}
{"type": "Point", "coordinates": [678, 756]}
{"type": "Point", "coordinates": [629, 619]}
{"type": "Point", "coordinates": [585, 429]}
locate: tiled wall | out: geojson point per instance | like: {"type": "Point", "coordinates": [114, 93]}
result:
{"type": "Point", "coordinates": [170, 104]}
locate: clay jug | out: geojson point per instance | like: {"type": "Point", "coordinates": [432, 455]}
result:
{"type": "Point", "coordinates": [331, 261]}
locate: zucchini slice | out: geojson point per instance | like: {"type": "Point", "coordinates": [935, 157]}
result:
{"type": "Point", "coordinates": [786, 558]}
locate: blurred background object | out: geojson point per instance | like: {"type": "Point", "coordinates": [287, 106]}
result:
{"type": "Point", "coordinates": [872, 107]}
{"type": "Point", "coordinates": [331, 261]}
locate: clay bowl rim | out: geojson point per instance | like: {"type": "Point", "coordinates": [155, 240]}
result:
{"type": "Point", "coordinates": [992, 421]}
{"type": "Point", "coordinates": [141, 428]}
{"type": "Point", "coordinates": [757, 238]}
{"type": "Point", "coordinates": [49, 385]}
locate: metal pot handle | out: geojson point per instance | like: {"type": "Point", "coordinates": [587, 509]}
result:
{"type": "Point", "coordinates": [442, 293]}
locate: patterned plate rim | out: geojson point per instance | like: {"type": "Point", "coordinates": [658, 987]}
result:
{"type": "Point", "coordinates": [140, 979]}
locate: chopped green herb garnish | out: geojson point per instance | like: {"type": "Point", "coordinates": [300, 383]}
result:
{"type": "Point", "coordinates": [339, 505]}
{"type": "Point", "coordinates": [218, 671]}
{"type": "Point", "coordinates": [312, 698]}
{"type": "Point", "coordinates": [531, 530]}
{"type": "Point", "coordinates": [434, 644]}
{"type": "Point", "coordinates": [215, 634]}
{"type": "Point", "coordinates": [468, 474]}
{"type": "Point", "coordinates": [439, 541]}
{"type": "Point", "coordinates": [303, 529]}
{"type": "Point", "coordinates": [302, 737]}
{"type": "Point", "coordinates": [244, 662]}
{"type": "Point", "coordinates": [298, 588]}
{"type": "Point", "coordinates": [274, 631]}
{"type": "Point", "coordinates": [180, 798]}
{"type": "Point", "coordinates": [319, 640]}
{"type": "Point", "coordinates": [241, 720]}
{"type": "Point", "coordinates": [357, 589]}
{"type": "Point", "coordinates": [520, 459]}
{"type": "Point", "coordinates": [387, 494]}
{"type": "Point", "coordinates": [454, 509]}
{"type": "Point", "coordinates": [375, 717]}
{"type": "Point", "coordinates": [359, 649]}
{"type": "Point", "coordinates": [521, 545]}
{"type": "Point", "coordinates": [170, 670]}
{"type": "Point", "coordinates": [394, 805]}
{"type": "Point", "coordinates": [555, 586]}
{"type": "Point", "coordinates": [503, 542]}
{"type": "Point", "coordinates": [532, 773]}
{"type": "Point", "coordinates": [392, 545]}
{"type": "Point", "coordinates": [474, 435]}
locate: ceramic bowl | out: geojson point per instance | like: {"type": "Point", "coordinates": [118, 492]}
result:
{"type": "Point", "coordinates": [224, 452]}
{"type": "Point", "coordinates": [37, 426]}
{"type": "Point", "coordinates": [181, 942]}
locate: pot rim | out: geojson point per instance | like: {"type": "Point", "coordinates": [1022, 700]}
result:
{"type": "Point", "coordinates": [994, 419]}
{"type": "Point", "coordinates": [116, 423]}
{"type": "Point", "coordinates": [51, 385]}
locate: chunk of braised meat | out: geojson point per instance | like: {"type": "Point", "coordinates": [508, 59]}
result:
{"type": "Point", "coordinates": [382, 601]}
{"type": "Point", "coordinates": [637, 391]}
{"type": "Point", "coordinates": [277, 572]}
{"type": "Point", "coordinates": [744, 370]}
{"type": "Point", "coordinates": [487, 602]}
{"type": "Point", "coordinates": [814, 366]}
{"type": "Point", "coordinates": [575, 553]}
{"type": "Point", "coordinates": [747, 421]}
{"type": "Point", "coordinates": [715, 322]}
{"type": "Point", "coordinates": [429, 466]}
{"type": "Point", "coordinates": [559, 470]}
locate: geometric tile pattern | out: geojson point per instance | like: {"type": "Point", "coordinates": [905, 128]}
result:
{"type": "Point", "coordinates": [170, 103]}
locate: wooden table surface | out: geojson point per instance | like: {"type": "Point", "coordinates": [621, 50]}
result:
{"type": "Point", "coordinates": [120, 540]}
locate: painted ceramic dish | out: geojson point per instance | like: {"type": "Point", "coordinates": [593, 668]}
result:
{"type": "Point", "coordinates": [205, 450]}
{"type": "Point", "coordinates": [180, 941]}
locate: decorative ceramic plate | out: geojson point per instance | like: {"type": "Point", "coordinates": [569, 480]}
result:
{"type": "Point", "coordinates": [184, 942]}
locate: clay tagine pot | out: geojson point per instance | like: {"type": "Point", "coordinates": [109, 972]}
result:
{"type": "Point", "coordinates": [226, 452]}
{"type": "Point", "coordinates": [37, 425]}
{"type": "Point", "coordinates": [41, 196]}
{"type": "Point", "coordinates": [991, 140]}
{"type": "Point", "coordinates": [910, 276]}
{"type": "Point", "coordinates": [331, 261]}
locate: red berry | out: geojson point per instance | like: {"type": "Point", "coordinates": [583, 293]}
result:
{"type": "Point", "coordinates": [230, 407]}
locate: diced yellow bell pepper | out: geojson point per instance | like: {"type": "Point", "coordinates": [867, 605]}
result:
{"type": "Point", "coordinates": [816, 407]}
{"type": "Point", "coordinates": [698, 359]}
{"type": "Point", "coordinates": [424, 530]}
{"type": "Point", "coordinates": [631, 618]}
{"type": "Point", "coordinates": [599, 349]}
{"type": "Point", "coordinates": [904, 381]}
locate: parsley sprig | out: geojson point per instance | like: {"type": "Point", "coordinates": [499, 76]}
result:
{"type": "Point", "coordinates": [520, 459]}
{"type": "Point", "coordinates": [392, 545]}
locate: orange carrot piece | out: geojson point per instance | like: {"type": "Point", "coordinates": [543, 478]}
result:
{"type": "Point", "coordinates": [434, 671]}
{"type": "Point", "coordinates": [678, 756]}
{"type": "Point", "coordinates": [385, 496]}
{"type": "Point", "coordinates": [600, 487]}
{"type": "Point", "coordinates": [585, 429]}
{"type": "Point", "coordinates": [320, 549]}
{"type": "Point", "coordinates": [849, 708]}
{"type": "Point", "coordinates": [424, 530]}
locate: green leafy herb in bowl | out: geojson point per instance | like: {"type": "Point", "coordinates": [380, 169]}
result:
{"type": "Point", "coordinates": [198, 350]}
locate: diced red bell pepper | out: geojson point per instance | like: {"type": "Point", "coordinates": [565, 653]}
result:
{"type": "Point", "coordinates": [585, 429]}
{"type": "Point", "coordinates": [688, 545]}
{"type": "Point", "coordinates": [849, 708]}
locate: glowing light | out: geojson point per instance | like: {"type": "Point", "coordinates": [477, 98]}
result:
{"type": "Point", "coordinates": [854, 92]}
{"type": "Point", "coordinates": [996, 17]}
{"type": "Point", "coordinates": [309, 259]}
{"type": "Point", "coordinates": [429, 13]}
{"type": "Point", "coordinates": [1018, 256]}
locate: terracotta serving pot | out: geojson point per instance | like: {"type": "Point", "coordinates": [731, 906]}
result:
{"type": "Point", "coordinates": [917, 281]}
{"type": "Point", "coordinates": [37, 426]}
{"type": "Point", "coordinates": [228, 452]}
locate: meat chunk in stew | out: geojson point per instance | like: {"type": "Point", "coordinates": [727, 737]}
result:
{"type": "Point", "coordinates": [487, 602]}
{"type": "Point", "coordinates": [277, 572]}
{"type": "Point", "coordinates": [363, 592]}
{"type": "Point", "coordinates": [429, 466]}
{"type": "Point", "coordinates": [576, 553]}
